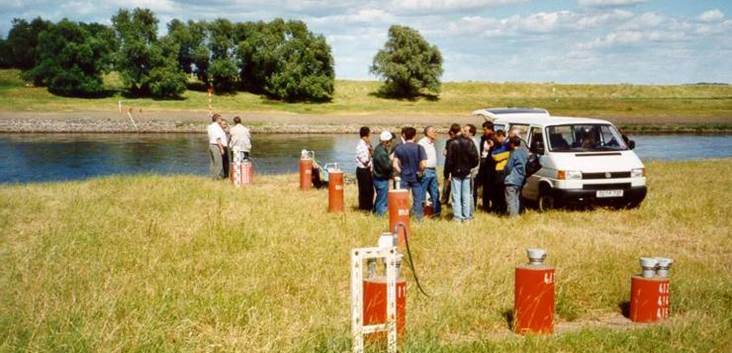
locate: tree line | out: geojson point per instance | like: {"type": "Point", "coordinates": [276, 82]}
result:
{"type": "Point", "coordinates": [281, 59]}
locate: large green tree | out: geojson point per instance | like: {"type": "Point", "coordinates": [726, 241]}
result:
{"type": "Point", "coordinates": [142, 60]}
{"type": "Point", "coordinates": [408, 64]}
{"type": "Point", "coordinates": [72, 57]}
{"type": "Point", "coordinates": [22, 42]}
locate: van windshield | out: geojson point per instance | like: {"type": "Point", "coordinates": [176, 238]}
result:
{"type": "Point", "coordinates": [584, 138]}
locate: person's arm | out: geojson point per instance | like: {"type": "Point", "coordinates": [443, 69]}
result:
{"type": "Point", "coordinates": [422, 158]}
{"type": "Point", "coordinates": [449, 161]}
{"type": "Point", "coordinates": [395, 164]}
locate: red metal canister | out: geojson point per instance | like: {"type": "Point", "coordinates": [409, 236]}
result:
{"type": "Point", "coordinates": [398, 200]}
{"type": "Point", "coordinates": [374, 302]}
{"type": "Point", "coordinates": [650, 299]}
{"type": "Point", "coordinates": [306, 174]}
{"type": "Point", "coordinates": [533, 310]}
{"type": "Point", "coordinates": [335, 190]}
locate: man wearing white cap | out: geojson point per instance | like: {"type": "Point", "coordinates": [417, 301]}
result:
{"type": "Point", "coordinates": [382, 172]}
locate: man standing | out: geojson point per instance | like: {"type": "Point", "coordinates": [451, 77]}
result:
{"type": "Point", "coordinates": [487, 166]}
{"type": "Point", "coordinates": [499, 153]}
{"type": "Point", "coordinates": [515, 172]}
{"type": "Point", "coordinates": [216, 147]}
{"type": "Point", "coordinates": [241, 141]}
{"type": "Point", "coordinates": [409, 162]}
{"type": "Point", "coordinates": [429, 179]}
{"type": "Point", "coordinates": [469, 130]}
{"type": "Point", "coordinates": [382, 172]}
{"type": "Point", "coordinates": [462, 156]}
{"type": "Point", "coordinates": [363, 170]}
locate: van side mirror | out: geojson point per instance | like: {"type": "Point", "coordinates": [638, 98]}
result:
{"type": "Point", "coordinates": [537, 146]}
{"type": "Point", "coordinates": [631, 144]}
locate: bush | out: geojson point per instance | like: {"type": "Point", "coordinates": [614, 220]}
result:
{"type": "Point", "coordinates": [303, 71]}
{"type": "Point", "coordinates": [167, 81]}
{"type": "Point", "coordinates": [408, 64]}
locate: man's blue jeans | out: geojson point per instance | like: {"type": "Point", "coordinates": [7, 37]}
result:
{"type": "Point", "coordinates": [382, 191]}
{"type": "Point", "coordinates": [462, 198]}
{"type": "Point", "coordinates": [417, 197]}
{"type": "Point", "coordinates": [429, 185]}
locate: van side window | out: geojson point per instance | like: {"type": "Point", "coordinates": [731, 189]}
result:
{"type": "Point", "coordinates": [523, 129]}
{"type": "Point", "coordinates": [536, 139]}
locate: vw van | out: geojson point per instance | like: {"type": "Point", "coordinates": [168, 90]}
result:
{"type": "Point", "coordinates": [583, 161]}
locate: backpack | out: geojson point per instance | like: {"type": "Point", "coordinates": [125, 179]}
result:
{"type": "Point", "coordinates": [532, 164]}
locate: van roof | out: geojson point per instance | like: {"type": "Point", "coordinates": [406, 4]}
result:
{"type": "Point", "coordinates": [547, 120]}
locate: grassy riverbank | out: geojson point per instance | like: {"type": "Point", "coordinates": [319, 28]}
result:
{"type": "Point", "coordinates": [187, 264]}
{"type": "Point", "coordinates": [704, 105]}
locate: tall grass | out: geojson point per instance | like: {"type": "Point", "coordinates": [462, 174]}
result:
{"type": "Point", "coordinates": [648, 103]}
{"type": "Point", "coordinates": [187, 264]}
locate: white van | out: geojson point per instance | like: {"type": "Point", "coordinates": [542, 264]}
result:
{"type": "Point", "coordinates": [582, 160]}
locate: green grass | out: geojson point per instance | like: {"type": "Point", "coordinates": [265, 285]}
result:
{"type": "Point", "coordinates": [657, 103]}
{"type": "Point", "coordinates": [187, 264]}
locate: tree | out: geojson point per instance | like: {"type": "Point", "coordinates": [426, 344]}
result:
{"type": "Point", "coordinates": [408, 64]}
{"type": "Point", "coordinates": [22, 42]}
{"type": "Point", "coordinates": [72, 58]}
{"type": "Point", "coordinates": [142, 60]}
{"type": "Point", "coordinates": [257, 54]}
{"type": "Point", "coordinates": [304, 67]}
{"type": "Point", "coordinates": [5, 54]}
{"type": "Point", "coordinates": [224, 75]}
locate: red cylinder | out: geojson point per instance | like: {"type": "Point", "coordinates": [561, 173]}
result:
{"type": "Point", "coordinates": [335, 191]}
{"type": "Point", "coordinates": [306, 174]}
{"type": "Point", "coordinates": [650, 299]}
{"type": "Point", "coordinates": [533, 307]}
{"type": "Point", "coordinates": [242, 173]}
{"type": "Point", "coordinates": [398, 200]}
{"type": "Point", "coordinates": [374, 302]}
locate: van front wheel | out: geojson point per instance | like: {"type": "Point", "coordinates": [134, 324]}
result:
{"type": "Point", "coordinates": [546, 202]}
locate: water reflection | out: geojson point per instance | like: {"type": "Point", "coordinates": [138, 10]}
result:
{"type": "Point", "coordinates": [45, 157]}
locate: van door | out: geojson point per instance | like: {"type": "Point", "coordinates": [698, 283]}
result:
{"type": "Point", "coordinates": [536, 145]}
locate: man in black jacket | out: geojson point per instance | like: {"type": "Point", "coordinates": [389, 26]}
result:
{"type": "Point", "coordinates": [462, 156]}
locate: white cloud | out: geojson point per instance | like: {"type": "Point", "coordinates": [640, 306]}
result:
{"type": "Point", "coordinates": [447, 5]}
{"type": "Point", "coordinates": [608, 3]}
{"type": "Point", "coordinates": [622, 38]}
{"type": "Point", "coordinates": [711, 16]}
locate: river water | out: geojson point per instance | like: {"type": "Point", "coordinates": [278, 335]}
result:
{"type": "Point", "coordinates": [51, 157]}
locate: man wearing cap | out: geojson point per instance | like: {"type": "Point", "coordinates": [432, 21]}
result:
{"type": "Point", "coordinates": [429, 179]}
{"type": "Point", "coordinates": [382, 172]}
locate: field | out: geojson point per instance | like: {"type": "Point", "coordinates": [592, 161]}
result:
{"type": "Point", "coordinates": [708, 105]}
{"type": "Point", "coordinates": [186, 264]}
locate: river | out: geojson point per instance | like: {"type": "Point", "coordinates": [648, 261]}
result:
{"type": "Point", "coordinates": [52, 157]}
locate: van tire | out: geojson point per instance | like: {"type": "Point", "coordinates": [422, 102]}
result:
{"type": "Point", "coordinates": [546, 200]}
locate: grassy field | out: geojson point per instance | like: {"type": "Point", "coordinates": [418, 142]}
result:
{"type": "Point", "coordinates": [700, 103]}
{"type": "Point", "coordinates": [187, 264]}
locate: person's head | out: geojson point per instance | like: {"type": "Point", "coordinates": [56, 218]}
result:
{"type": "Point", "coordinates": [469, 130]}
{"type": "Point", "coordinates": [487, 128]}
{"type": "Point", "coordinates": [514, 142]}
{"type": "Point", "coordinates": [385, 138]}
{"type": "Point", "coordinates": [215, 118]}
{"type": "Point", "coordinates": [409, 133]}
{"type": "Point", "coordinates": [500, 136]}
{"type": "Point", "coordinates": [237, 120]}
{"type": "Point", "coordinates": [514, 132]}
{"type": "Point", "coordinates": [223, 123]}
{"type": "Point", "coordinates": [430, 132]}
{"type": "Point", "coordinates": [455, 129]}
{"type": "Point", "coordinates": [364, 132]}
{"type": "Point", "coordinates": [402, 133]}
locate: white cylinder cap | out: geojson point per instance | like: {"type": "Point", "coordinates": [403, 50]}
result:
{"type": "Point", "coordinates": [536, 255]}
{"type": "Point", "coordinates": [648, 262]}
{"type": "Point", "coordinates": [664, 261]}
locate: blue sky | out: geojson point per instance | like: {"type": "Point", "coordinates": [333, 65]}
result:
{"type": "Point", "coordinates": [568, 41]}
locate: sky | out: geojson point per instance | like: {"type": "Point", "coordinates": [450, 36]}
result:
{"type": "Point", "coordinates": [564, 41]}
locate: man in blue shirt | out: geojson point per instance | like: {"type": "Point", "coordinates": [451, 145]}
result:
{"type": "Point", "coordinates": [409, 161]}
{"type": "Point", "coordinates": [515, 174]}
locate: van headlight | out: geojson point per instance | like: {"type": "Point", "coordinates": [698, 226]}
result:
{"type": "Point", "coordinates": [638, 172]}
{"type": "Point", "coordinates": [569, 175]}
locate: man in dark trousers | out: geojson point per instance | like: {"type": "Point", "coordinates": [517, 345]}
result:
{"type": "Point", "coordinates": [363, 170]}
{"type": "Point", "coordinates": [383, 171]}
{"type": "Point", "coordinates": [462, 156]}
{"type": "Point", "coordinates": [487, 169]}
{"type": "Point", "coordinates": [409, 161]}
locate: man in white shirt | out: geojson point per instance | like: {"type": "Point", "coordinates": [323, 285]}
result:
{"type": "Point", "coordinates": [365, 180]}
{"type": "Point", "coordinates": [216, 147]}
{"type": "Point", "coordinates": [241, 141]}
{"type": "Point", "coordinates": [429, 178]}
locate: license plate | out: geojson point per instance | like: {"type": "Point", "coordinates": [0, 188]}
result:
{"type": "Point", "coordinates": [609, 193]}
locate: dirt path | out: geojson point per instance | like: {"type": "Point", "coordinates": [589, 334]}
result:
{"type": "Point", "coordinates": [195, 121]}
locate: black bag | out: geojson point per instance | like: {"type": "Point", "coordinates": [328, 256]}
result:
{"type": "Point", "coordinates": [532, 164]}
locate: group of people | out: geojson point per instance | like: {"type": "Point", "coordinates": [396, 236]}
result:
{"type": "Point", "coordinates": [495, 162]}
{"type": "Point", "coordinates": [226, 144]}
